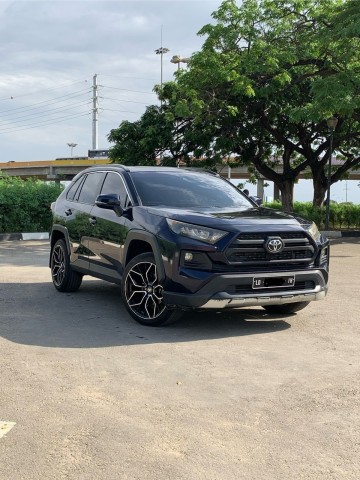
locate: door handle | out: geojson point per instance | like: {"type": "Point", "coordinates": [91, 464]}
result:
{"type": "Point", "coordinates": [92, 221]}
{"type": "Point", "coordinates": [68, 212]}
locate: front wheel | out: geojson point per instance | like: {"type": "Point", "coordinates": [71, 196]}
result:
{"type": "Point", "coordinates": [286, 308]}
{"type": "Point", "coordinates": [64, 278]}
{"type": "Point", "coordinates": [142, 292]}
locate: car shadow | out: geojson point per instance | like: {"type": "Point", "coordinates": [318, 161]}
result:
{"type": "Point", "coordinates": [95, 317]}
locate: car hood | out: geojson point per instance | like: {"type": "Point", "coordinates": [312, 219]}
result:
{"type": "Point", "coordinates": [225, 217]}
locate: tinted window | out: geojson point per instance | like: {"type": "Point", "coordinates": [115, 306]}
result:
{"type": "Point", "coordinates": [185, 190]}
{"type": "Point", "coordinates": [114, 184]}
{"type": "Point", "coordinates": [71, 194]}
{"type": "Point", "coordinates": [89, 189]}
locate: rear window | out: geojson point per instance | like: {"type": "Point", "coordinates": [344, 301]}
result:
{"type": "Point", "coordinates": [74, 189]}
{"type": "Point", "coordinates": [89, 188]}
{"type": "Point", "coordinates": [187, 190]}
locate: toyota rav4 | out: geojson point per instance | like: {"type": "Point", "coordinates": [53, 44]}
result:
{"type": "Point", "coordinates": [181, 239]}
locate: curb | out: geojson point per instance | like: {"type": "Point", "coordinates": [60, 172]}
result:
{"type": "Point", "coordinates": [341, 233]}
{"type": "Point", "coordinates": [4, 237]}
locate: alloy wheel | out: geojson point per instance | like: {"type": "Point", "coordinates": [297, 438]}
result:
{"type": "Point", "coordinates": [143, 292]}
{"type": "Point", "coordinates": [58, 265]}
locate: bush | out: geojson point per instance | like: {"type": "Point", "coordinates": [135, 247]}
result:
{"type": "Point", "coordinates": [342, 215]}
{"type": "Point", "coordinates": [25, 205]}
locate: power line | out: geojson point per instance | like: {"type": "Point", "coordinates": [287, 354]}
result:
{"type": "Point", "coordinates": [42, 90]}
{"type": "Point", "coordinates": [125, 76]}
{"type": "Point", "coordinates": [127, 90]}
{"type": "Point", "coordinates": [49, 101]}
{"type": "Point", "coordinates": [43, 124]}
{"type": "Point", "coordinates": [47, 112]}
{"type": "Point", "coordinates": [27, 117]}
{"type": "Point", "coordinates": [122, 111]}
{"type": "Point", "coordinates": [121, 100]}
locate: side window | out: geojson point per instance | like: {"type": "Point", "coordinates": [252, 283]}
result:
{"type": "Point", "coordinates": [71, 194]}
{"type": "Point", "coordinates": [89, 188]}
{"type": "Point", "coordinates": [114, 184]}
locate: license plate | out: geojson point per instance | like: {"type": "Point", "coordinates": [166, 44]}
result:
{"type": "Point", "coordinates": [274, 282]}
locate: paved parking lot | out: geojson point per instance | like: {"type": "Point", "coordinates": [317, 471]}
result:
{"type": "Point", "coordinates": [220, 396]}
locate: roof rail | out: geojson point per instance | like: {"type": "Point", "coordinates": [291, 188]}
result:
{"type": "Point", "coordinates": [203, 170]}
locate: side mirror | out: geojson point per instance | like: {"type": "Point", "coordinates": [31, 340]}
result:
{"type": "Point", "coordinates": [110, 201]}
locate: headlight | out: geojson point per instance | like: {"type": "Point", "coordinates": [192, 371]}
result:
{"type": "Point", "coordinates": [314, 232]}
{"type": "Point", "coordinates": [204, 234]}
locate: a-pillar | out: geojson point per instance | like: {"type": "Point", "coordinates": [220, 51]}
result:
{"type": "Point", "coordinates": [260, 188]}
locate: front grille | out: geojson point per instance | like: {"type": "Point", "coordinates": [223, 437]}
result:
{"type": "Point", "coordinates": [237, 257]}
{"type": "Point", "coordinates": [247, 288]}
{"type": "Point", "coordinates": [249, 249]}
{"type": "Point", "coordinates": [260, 236]}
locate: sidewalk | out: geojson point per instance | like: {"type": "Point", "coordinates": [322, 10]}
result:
{"type": "Point", "coordinates": [5, 237]}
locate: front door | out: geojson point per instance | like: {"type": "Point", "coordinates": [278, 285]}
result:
{"type": "Point", "coordinates": [109, 232]}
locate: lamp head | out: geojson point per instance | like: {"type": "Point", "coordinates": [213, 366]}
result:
{"type": "Point", "coordinates": [179, 59]}
{"type": "Point", "coordinates": [161, 50]}
{"type": "Point", "coordinates": [176, 59]}
{"type": "Point", "coordinates": [331, 123]}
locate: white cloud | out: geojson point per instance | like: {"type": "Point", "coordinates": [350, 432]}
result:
{"type": "Point", "coordinates": [48, 49]}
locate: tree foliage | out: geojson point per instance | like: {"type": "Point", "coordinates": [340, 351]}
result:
{"type": "Point", "coordinates": [269, 75]}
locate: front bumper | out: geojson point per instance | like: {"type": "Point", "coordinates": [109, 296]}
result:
{"type": "Point", "coordinates": [215, 294]}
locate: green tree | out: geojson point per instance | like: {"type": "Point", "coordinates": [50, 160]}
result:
{"type": "Point", "coordinates": [140, 142]}
{"type": "Point", "coordinates": [269, 75]}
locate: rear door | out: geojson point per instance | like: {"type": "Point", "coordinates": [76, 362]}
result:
{"type": "Point", "coordinates": [80, 200]}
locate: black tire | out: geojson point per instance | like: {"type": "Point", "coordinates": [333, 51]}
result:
{"type": "Point", "coordinates": [64, 278]}
{"type": "Point", "coordinates": [141, 292]}
{"type": "Point", "coordinates": [286, 308]}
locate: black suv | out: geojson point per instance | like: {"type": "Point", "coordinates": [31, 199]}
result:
{"type": "Point", "coordinates": [179, 239]}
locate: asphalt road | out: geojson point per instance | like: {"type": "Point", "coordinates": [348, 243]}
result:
{"type": "Point", "coordinates": [216, 396]}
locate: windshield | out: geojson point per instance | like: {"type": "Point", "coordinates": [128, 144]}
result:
{"type": "Point", "coordinates": [187, 190]}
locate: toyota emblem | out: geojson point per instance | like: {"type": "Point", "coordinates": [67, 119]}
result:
{"type": "Point", "coordinates": [274, 244]}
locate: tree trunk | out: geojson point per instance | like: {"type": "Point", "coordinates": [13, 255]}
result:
{"type": "Point", "coordinates": [287, 194]}
{"type": "Point", "coordinates": [276, 193]}
{"type": "Point", "coordinates": [320, 187]}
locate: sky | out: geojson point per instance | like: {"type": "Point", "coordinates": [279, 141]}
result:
{"type": "Point", "coordinates": [50, 51]}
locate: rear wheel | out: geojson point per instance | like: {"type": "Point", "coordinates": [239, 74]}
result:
{"type": "Point", "coordinates": [64, 278]}
{"type": "Point", "coordinates": [142, 292]}
{"type": "Point", "coordinates": [286, 308]}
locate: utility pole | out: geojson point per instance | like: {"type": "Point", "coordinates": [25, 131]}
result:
{"type": "Point", "coordinates": [95, 112]}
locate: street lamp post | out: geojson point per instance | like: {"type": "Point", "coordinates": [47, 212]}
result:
{"type": "Point", "coordinates": [72, 146]}
{"type": "Point", "coordinates": [177, 59]}
{"type": "Point", "coordinates": [161, 51]}
{"type": "Point", "coordinates": [331, 123]}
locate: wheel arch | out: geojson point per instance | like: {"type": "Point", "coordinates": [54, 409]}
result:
{"type": "Point", "coordinates": [58, 232]}
{"type": "Point", "coordinates": [143, 242]}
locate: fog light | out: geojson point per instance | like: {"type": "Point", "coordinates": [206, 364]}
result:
{"type": "Point", "coordinates": [197, 260]}
{"type": "Point", "coordinates": [324, 255]}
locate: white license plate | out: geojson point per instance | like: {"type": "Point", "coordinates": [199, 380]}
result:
{"type": "Point", "coordinates": [274, 282]}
